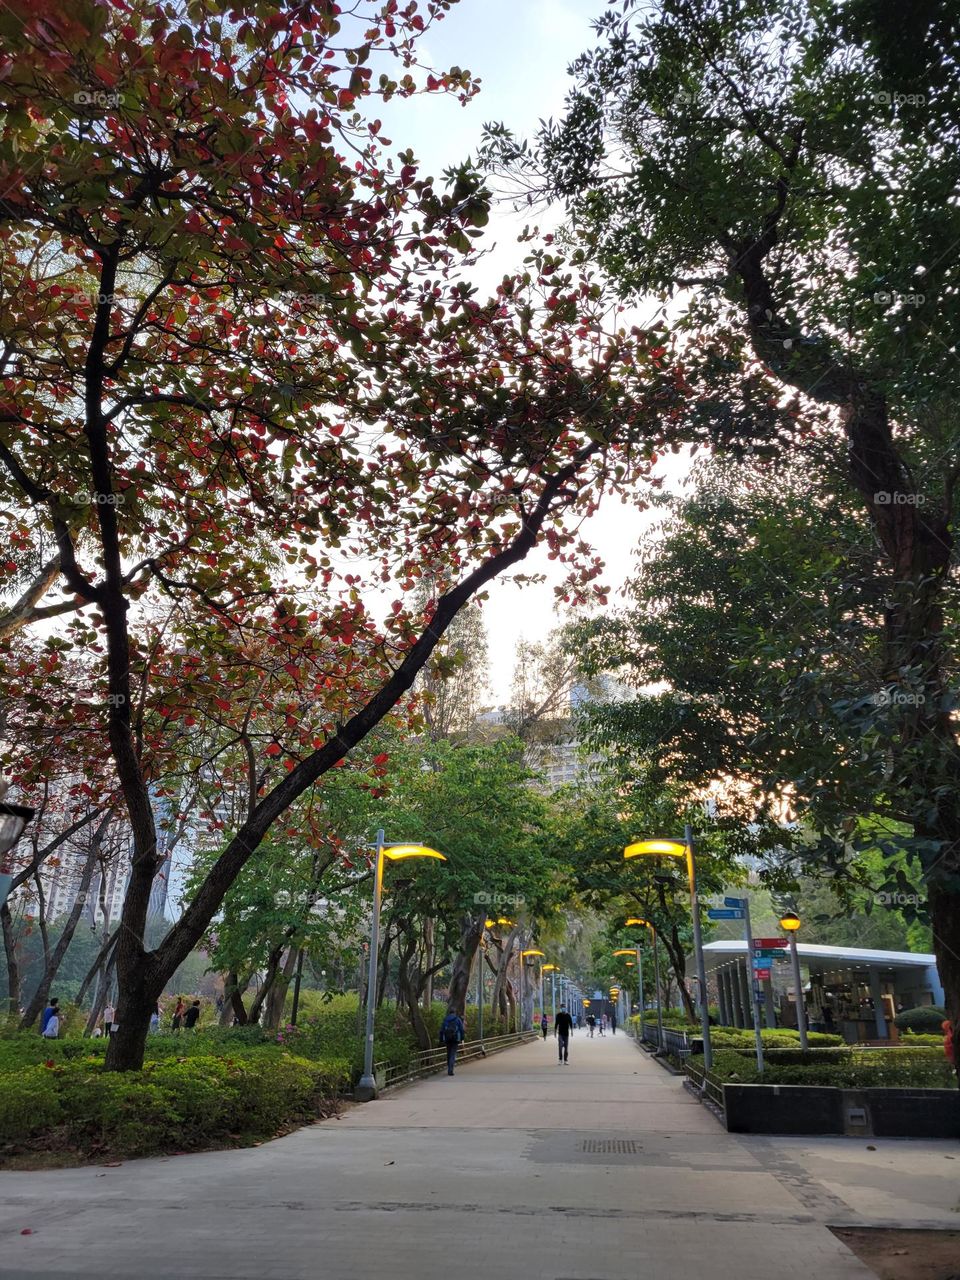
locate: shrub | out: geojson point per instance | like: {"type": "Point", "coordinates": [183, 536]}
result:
{"type": "Point", "coordinates": [846, 1068]}
{"type": "Point", "coordinates": [173, 1104]}
{"type": "Point", "coordinates": [928, 1018]}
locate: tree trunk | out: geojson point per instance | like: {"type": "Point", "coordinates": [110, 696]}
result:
{"type": "Point", "coordinates": [233, 991]}
{"type": "Point", "coordinates": [408, 993]}
{"type": "Point", "coordinates": [471, 931]}
{"type": "Point", "coordinates": [55, 958]}
{"type": "Point", "coordinates": [429, 933]}
{"type": "Point", "coordinates": [273, 968]}
{"type": "Point", "coordinates": [278, 996]}
{"type": "Point", "coordinates": [13, 966]}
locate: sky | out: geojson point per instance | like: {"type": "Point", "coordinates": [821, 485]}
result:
{"type": "Point", "coordinates": [520, 50]}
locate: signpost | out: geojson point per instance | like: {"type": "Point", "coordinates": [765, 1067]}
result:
{"type": "Point", "coordinates": [724, 913]}
{"type": "Point", "coordinates": [755, 988]}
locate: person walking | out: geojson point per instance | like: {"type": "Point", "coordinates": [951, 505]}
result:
{"type": "Point", "coordinates": [562, 1029]}
{"type": "Point", "coordinates": [192, 1016]}
{"type": "Point", "coordinates": [613, 1022]}
{"type": "Point", "coordinates": [544, 1025]}
{"type": "Point", "coordinates": [109, 1018]}
{"type": "Point", "coordinates": [178, 1012]}
{"type": "Point", "coordinates": [51, 1011]}
{"type": "Point", "coordinates": [451, 1035]}
{"type": "Point", "coordinates": [591, 1023]}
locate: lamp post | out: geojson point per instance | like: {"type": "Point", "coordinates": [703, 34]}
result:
{"type": "Point", "coordinates": [367, 1087]}
{"type": "Point", "coordinates": [646, 924]}
{"type": "Point", "coordinates": [552, 970]}
{"type": "Point", "coordinates": [13, 819]}
{"type": "Point", "coordinates": [630, 951]}
{"type": "Point", "coordinates": [684, 849]}
{"type": "Point", "coordinates": [790, 923]}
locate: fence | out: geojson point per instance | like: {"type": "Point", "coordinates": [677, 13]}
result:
{"type": "Point", "coordinates": [428, 1061]}
{"type": "Point", "coordinates": [676, 1044]}
{"type": "Point", "coordinates": [706, 1082]}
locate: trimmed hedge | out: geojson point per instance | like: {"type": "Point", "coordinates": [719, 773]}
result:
{"type": "Point", "coordinates": [849, 1068]}
{"type": "Point", "coordinates": [928, 1019]}
{"type": "Point", "coordinates": [174, 1104]}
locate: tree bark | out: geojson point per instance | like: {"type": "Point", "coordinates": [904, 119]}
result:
{"type": "Point", "coordinates": [55, 958]}
{"type": "Point", "coordinates": [13, 966]}
{"type": "Point", "coordinates": [278, 996]}
{"type": "Point", "coordinates": [471, 931]}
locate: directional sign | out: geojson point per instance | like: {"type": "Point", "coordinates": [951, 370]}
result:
{"type": "Point", "coordinates": [724, 913]}
{"type": "Point", "coordinates": [739, 903]}
{"type": "Point", "coordinates": [761, 974]}
{"type": "Point", "coordinates": [763, 957]}
{"type": "Point", "coordinates": [769, 944]}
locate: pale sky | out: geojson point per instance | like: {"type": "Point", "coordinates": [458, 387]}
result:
{"type": "Point", "coordinates": [520, 50]}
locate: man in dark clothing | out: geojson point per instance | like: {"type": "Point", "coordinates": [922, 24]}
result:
{"type": "Point", "coordinates": [451, 1035]}
{"type": "Point", "coordinates": [192, 1016]}
{"type": "Point", "coordinates": [563, 1027]}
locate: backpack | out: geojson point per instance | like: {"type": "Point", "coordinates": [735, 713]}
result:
{"type": "Point", "coordinates": [449, 1029]}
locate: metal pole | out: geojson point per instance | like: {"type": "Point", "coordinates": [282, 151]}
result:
{"type": "Point", "coordinates": [656, 971]}
{"type": "Point", "coordinates": [553, 997]}
{"type": "Point", "coordinates": [640, 984]}
{"type": "Point", "coordinates": [754, 985]}
{"type": "Point", "coordinates": [480, 994]}
{"type": "Point", "coordinates": [798, 987]}
{"type": "Point", "coordinates": [523, 1013]}
{"type": "Point", "coordinates": [698, 947]}
{"type": "Point", "coordinates": [367, 1087]}
{"type": "Point", "coordinates": [296, 989]}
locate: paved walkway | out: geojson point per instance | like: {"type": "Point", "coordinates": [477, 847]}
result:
{"type": "Point", "coordinates": [515, 1169]}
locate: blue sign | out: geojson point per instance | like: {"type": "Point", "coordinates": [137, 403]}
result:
{"type": "Point", "coordinates": [739, 903]}
{"type": "Point", "coordinates": [724, 913]}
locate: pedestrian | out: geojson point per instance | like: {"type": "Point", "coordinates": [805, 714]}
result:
{"type": "Point", "coordinates": [591, 1023]}
{"type": "Point", "coordinates": [613, 1022]}
{"type": "Point", "coordinates": [178, 1012]}
{"type": "Point", "coordinates": [155, 1016]}
{"type": "Point", "coordinates": [451, 1035]}
{"type": "Point", "coordinates": [562, 1029]}
{"type": "Point", "coordinates": [602, 1023]}
{"type": "Point", "coordinates": [51, 1011]}
{"type": "Point", "coordinates": [192, 1016]}
{"type": "Point", "coordinates": [544, 1025]}
{"type": "Point", "coordinates": [109, 1018]}
{"type": "Point", "coordinates": [219, 1004]}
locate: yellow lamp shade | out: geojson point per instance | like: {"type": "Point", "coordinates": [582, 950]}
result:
{"type": "Point", "coordinates": [639, 920]}
{"type": "Point", "coordinates": [790, 921]}
{"type": "Point", "coordinates": [549, 968]}
{"type": "Point", "coordinates": [625, 951]}
{"type": "Point", "coordinates": [656, 848]}
{"type": "Point", "coordinates": [396, 852]}
{"type": "Point", "coordinates": [488, 924]}
{"type": "Point", "coordinates": [532, 952]}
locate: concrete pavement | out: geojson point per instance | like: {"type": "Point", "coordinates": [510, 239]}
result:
{"type": "Point", "coordinates": [605, 1169]}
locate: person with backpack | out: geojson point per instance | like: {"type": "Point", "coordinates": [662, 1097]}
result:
{"type": "Point", "coordinates": [544, 1025]}
{"type": "Point", "coordinates": [192, 1016]}
{"type": "Point", "coordinates": [562, 1029]}
{"type": "Point", "coordinates": [451, 1035]}
{"type": "Point", "coordinates": [592, 1024]}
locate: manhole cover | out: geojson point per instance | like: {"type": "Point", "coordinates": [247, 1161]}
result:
{"type": "Point", "coordinates": [608, 1146]}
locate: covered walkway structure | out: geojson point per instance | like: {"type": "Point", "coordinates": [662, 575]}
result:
{"type": "Point", "coordinates": [853, 990]}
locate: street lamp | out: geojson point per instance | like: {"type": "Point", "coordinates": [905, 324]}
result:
{"type": "Point", "coordinates": [790, 923]}
{"type": "Point", "coordinates": [13, 819]}
{"type": "Point", "coordinates": [367, 1087]}
{"type": "Point", "coordinates": [645, 924]}
{"type": "Point", "coordinates": [684, 849]}
{"type": "Point", "coordinates": [552, 970]}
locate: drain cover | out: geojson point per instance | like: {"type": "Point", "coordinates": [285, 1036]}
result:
{"type": "Point", "coordinates": [608, 1146]}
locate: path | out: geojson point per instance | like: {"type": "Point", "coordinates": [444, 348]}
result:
{"type": "Point", "coordinates": [515, 1169]}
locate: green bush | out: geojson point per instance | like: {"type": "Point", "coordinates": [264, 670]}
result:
{"type": "Point", "coordinates": [927, 1019]}
{"type": "Point", "coordinates": [914, 1041]}
{"type": "Point", "coordinates": [848, 1068]}
{"type": "Point", "coordinates": [173, 1104]}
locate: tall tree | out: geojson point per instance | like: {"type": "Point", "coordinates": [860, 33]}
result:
{"type": "Point", "coordinates": [788, 172]}
{"type": "Point", "coordinates": [230, 351]}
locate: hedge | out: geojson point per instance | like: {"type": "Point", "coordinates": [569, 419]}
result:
{"type": "Point", "coordinates": [927, 1019]}
{"type": "Point", "coordinates": [849, 1068]}
{"type": "Point", "coordinates": [174, 1104]}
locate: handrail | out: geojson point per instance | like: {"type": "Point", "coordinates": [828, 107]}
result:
{"type": "Point", "coordinates": [427, 1061]}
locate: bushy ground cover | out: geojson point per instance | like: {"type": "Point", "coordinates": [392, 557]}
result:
{"type": "Point", "coordinates": [845, 1068]}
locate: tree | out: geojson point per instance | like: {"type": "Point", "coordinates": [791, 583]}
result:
{"type": "Point", "coordinates": [792, 166]}
{"type": "Point", "coordinates": [232, 350]}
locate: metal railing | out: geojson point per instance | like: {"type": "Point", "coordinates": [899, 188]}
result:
{"type": "Point", "coordinates": [706, 1082]}
{"type": "Point", "coordinates": [428, 1061]}
{"type": "Point", "coordinates": [676, 1044]}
